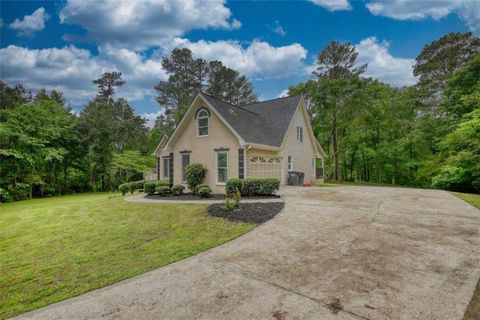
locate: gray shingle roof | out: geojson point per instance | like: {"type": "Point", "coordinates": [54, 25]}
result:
{"type": "Point", "coordinates": [262, 122]}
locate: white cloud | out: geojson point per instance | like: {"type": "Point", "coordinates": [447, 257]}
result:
{"type": "Point", "coordinates": [142, 24]}
{"type": "Point", "coordinates": [283, 93]}
{"type": "Point", "coordinates": [259, 59]}
{"type": "Point", "coordinates": [333, 5]}
{"type": "Point", "coordinates": [72, 70]}
{"type": "Point", "coordinates": [278, 29]}
{"type": "Point", "coordinates": [30, 23]}
{"type": "Point", "coordinates": [468, 10]}
{"type": "Point", "coordinates": [151, 117]}
{"type": "Point", "coordinates": [382, 65]}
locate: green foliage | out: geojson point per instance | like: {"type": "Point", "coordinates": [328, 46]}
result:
{"type": "Point", "coordinates": [18, 191]}
{"type": "Point", "coordinates": [194, 175]}
{"type": "Point", "coordinates": [204, 191]}
{"type": "Point", "coordinates": [162, 190]}
{"type": "Point", "coordinates": [177, 189]}
{"type": "Point", "coordinates": [232, 202]}
{"type": "Point", "coordinates": [124, 188]}
{"type": "Point", "coordinates": [5, 196]}
{"type": "Point", "coordinates": [253, 187]}
{"type": "Point", "coordinates": [162, 183]}
{"type": "Point", "coordinates": [149, 187]}
{"type": "Point", "coordinates": [233, 185]}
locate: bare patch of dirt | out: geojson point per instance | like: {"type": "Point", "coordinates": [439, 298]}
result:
{"type": "Point", "coordinates": [248, 212]}
{"type": "Point", "coordinates": [335, 306]}
{"type": "Point", "coordinates": [279, 315]}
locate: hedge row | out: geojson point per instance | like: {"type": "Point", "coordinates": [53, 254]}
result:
{"type": "Point", "coordinates": [252, 187]}
{"type": "Point", "coordinates": [150, 186]}
{"type": "Point", "coordinates": [131, 186]}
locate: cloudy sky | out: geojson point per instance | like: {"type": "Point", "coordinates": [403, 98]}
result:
{"type": "Point", "coordinates": [64, 45]}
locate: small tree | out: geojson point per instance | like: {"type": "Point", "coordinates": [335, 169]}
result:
{"type": "Point", "coordinates": [194, 175]}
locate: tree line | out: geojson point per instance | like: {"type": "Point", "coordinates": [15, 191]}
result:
{"type": "Point", "coordinates": [425, 135]}
{"type": "Point", "coordinates": [47, 149]}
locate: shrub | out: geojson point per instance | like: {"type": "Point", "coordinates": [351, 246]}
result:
{"type": "Point", "coordinates": [18, 191]}
{"type": "Point", "coordinates": [194, 175]}
{"type": "Point", "coordinates": [138, 184]}
{"type": "Point", "coordinates": [132, 187]}
{"type": "Point", "coordinates": [237, 198]}
{"type": "Point", "coordinates": [162, 183]}
{"type": "Point", "coordinates": [204, 191]}
{"type": "Point", "coordinates": [149, 187]}
{"type": "Point", "coordinates": [269, 186]}
{"type": "Point", "coordinates": [251, 186]}
{"type": "Point", "coordinates": [5, 196]}
{"type": "Point", "coordinates": [162, 190]}
{"type": "Point", "coordinates": [123, 188]}
{"type": "Point", "coordinates": [233, 185]}
{"type": "Point", "coordinates": [202, 185]}
{"type": "Point", "coordinates": [177, 189]}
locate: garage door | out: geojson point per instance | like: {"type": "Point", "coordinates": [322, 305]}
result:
{"type": "Point", "coordinates": [264, 167]}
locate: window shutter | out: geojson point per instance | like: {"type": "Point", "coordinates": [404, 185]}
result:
{"type": "Point", "coordinates": [171, 168]}
{"type": "Point", "coordinates": [241, 164]}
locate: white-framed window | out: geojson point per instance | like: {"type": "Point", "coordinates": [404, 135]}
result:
{"type": "Point", "coordinates": [290, 163]}
{"type": "Point", "coordinates": [221, 167]}
{"type": "Point", "coordinates": [202, 123]}
{"type": "Point", "coordinates": [166, 167]}
{"type": "Point", "coordinates": [185, 158]}
{"type": "Point", "coordinates": [300, 134]}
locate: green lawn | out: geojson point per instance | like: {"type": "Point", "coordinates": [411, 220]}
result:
{"type": "Point", "coordinates": [473, 310]}
{"type": "Point", "coordinates": [57, 248]}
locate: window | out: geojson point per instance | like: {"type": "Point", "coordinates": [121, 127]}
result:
{"type": "Point", "coordinates": [290, 163]}
{"type": "Point", "coordinates": [221, 159]}
{"type": "Point", "coordinates": [185, 162]}
{"type": "Point", "coordinates": [166, 168]}
{"type": "Point", "coordinates": [202, 123]}
{"type": "Point", "coordinates": [300, 134]}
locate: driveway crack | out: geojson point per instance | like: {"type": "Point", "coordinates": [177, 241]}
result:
{"type": "Point", "coordinates": [253, 276]}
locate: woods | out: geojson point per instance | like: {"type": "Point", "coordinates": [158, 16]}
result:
{"type": "Point", "coordinates": [426, 135]}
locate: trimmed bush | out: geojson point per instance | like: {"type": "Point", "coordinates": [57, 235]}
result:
{"type": "Point", "coordinates": [269, 186]}
{"type": "Point", "coordinates": [132, 187]}
{"type": "Point", "coordinates": [252, 186]}
{"type": "Point", "coordinates": [194, 175]}
{"type": "Point", "coordinates": [233, 185]}
{"type": "Point", "coordinates": [123, 188]}
{"type": "Point", "coordinates": [177, 189]}
{"type": "Point", "coordinates": [162, 183]}
{"type": "Point", "coordinates": [162, 190]}
{"type": "Point", "coordinates": [149, 187]}
{"type": "Point", "coordinates": [204, 191]}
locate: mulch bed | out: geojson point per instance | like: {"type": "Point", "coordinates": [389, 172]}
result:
{"type": "Point", "coordinates": [189, 196]}
{"type": "Point", "coordinates": [248, 212]}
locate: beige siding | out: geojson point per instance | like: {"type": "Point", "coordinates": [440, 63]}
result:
{"type": "Point", "coordinates": [302, 153]}
{"type": "Point", "coordinates": [203, 148]}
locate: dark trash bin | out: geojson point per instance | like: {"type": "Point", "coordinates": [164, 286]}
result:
{"type": "Point", "coordinates": [295, 178]}
{"type": "Point", "coordinates": [301, 177]}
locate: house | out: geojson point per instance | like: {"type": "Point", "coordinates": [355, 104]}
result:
{"type": "Point", "coordinates": [261, 140]}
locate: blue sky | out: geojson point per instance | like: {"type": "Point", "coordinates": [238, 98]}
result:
{"type": "Point", "coordinates": [66, 44]}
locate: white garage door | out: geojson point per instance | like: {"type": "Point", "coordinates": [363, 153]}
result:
{"type": "Point", "coordinates": [264, 167]}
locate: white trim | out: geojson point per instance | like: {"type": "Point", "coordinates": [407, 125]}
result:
{"type": "Point", "coordinates": [290, 163]}
{"type": "Point", "coordinates": [245, 163]}
{"type": "Point", "coordinates": [198, 123]}
{"type": "Point", "coordinates": [163, 167]}
{"type": "Point", "coordinates": [216, 168]}
{"type": "Point", "coordinates": [261, 146]}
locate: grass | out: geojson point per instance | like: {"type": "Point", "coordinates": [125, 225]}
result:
{"type": "Point", "coordinates": [473, 309]}
{"type": "Point", "coordinates": [57, 248]}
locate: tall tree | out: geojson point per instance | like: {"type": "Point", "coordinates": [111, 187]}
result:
{"type": "Point", "coordinates": [337, 65]}
{"type": "Point", "coordinates": [438, 60]}
{"type": "Point", "coordinates": [12, 97]}
{"type": "Point", "coordinates": [338, 60]}
{"type": "Point", "coordinates": [227, 84]}
{"type": "Point", "coordinates": [188, 76]}
{"type": "Point", "coordinates": [107, 83]}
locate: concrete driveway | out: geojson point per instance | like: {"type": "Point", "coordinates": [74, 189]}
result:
{"type": "Point", "coordinates": [332, 253]}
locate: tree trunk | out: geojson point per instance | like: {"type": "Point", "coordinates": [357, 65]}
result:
{"type": "Point", "coordinates": [335, 145]}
